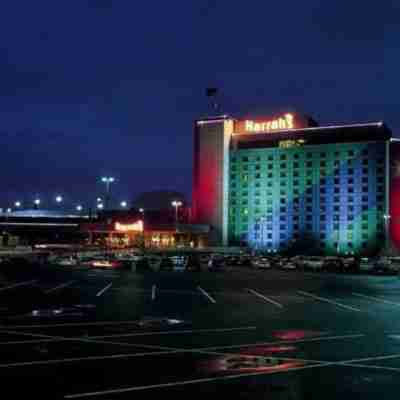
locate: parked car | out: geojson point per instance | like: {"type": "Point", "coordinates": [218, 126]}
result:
{"type": "Point", "coordinates": [366, 264]}
{"type": "Point", "coordinates": [314, 263]}
{"type": "Point", "coordinates": [333, 264]}
{"type": "Point", "coordinates": [261, 263]}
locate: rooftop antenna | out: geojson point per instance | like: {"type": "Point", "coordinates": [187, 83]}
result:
{"type": "Point", "coordinates": [211, 93]}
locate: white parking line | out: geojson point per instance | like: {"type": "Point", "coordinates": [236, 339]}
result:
{"type": "Point", "coordinates": [104, 289]}
{"type": "Point", "coordinates": [275, 303]}
{"type": "Point", "coordinates": [212, 300]}
{"type": "Point", "coordinates": [317, 339]}
{"type": "Point", "coordinates": [18, 284]}
{"type": "Point", "coordinates": [153, 292]}
{"type": "Point", "coordinates": [376, 299]}
{"type": "Point", "coordinates": [63, 285]}
{"type": "Point", "coordinates": [378, 367]}
{"type": "Point", "coordinates": [191, 381]}
{"type": "Point", "coordinates": [335, 303]}
{"type": "Point", "coordinates": [191, 331]}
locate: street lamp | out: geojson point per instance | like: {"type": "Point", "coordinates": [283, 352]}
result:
{"type": "Point", "coordinates": [36, 202]}
{"type": "Point", "coordinates": [124, 204]}
{"type": "Point", "coordinates": [8, 210]}
{"type": "Point", "coordinates": [108, 180]}
{"type": "Point", "coordinates": [100, 206]}
{"type": "Point", "coordinates": [176, 204]}
{"type": "Point", "coordinates": [17, 204]}
{"type": "Point", "coordinates": [99, 200]}
{"type": "Point", "coordinates": [79, 208]}
{"type": "Point", "coordinates": [59, 199]}
{"type": "Point", "coordinates": [386, 218]}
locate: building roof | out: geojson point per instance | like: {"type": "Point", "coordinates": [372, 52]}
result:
{"type": "Point", "coordinates": [33, 213]}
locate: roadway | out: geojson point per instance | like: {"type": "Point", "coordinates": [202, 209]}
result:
{"type": "Point", "coordinates": [84, 334]}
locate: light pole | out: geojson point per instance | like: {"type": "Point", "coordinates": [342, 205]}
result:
{"type": "Point", "coordinates": [17, 204]}
{"type": "Point", "coordinates": [108, 180]}
{"type": "Point", "coordinates": [59, 199]}
{"type": "Point", "coordinates": [36, 202]}
{"type": "Point", "coordinates": [123, 204]}
{"type": "Point", "coordinates": [79, 208]}
{"type": "Point", "coordinates": [141, 210]}
{"type": "Point", "coordinates": [386, 218]}
{"type": "Point", "coordinates": [176, 204]}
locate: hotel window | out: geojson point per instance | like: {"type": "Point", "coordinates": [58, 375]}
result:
{"type": "Point", "coordinates": [364, 198]}
{"type": "Point", "coordinates": [257, 167]}
{"type": "Point", "coordinates": [270, 158]}
{"type": "Point", "coordinates": [364, 152]}
{"type": "Point", "coordinates": [308, 227]}
{"type": "Point", "coordinates": [336, 208]}
{"type": "Point", "coordinates": [322, 164]}
{"type": "Point", "coordinates": [309, 190]}
{"type": "Point", "coordinates": [350, 208]}
{"type": "Point", "coordinates": [296, 191]}
{"type": "Point", "coordinates": [322, 217]}
{"type": "Point", "coordinates": [296, 174]}
{"type": "Point", "coordinates": [245, 177]}
{"type": "Point", "coordinates": [283, 157]}
{"type": "Point", "coordinates": [350, 199]}
{"type": "Point", "coordinates": [282, 227]}
{"type": "Point", "coordinates": [322, 172]}
{"type": "Point", "coordinates": [257, 184]}
{"type": "Point", "coordinates": [282, 218]}
{"type": "Point", "coordinates": [258, 176]}
{"type": "Point", "coordinates": [336, 181]}
{"type": "Point", "coordinates": [309, 164]}
{"type": "Point", "coordinates": [309, 209]}
{"type": "Point", "coordinates": [322, 208]}
{"type": "Point", "coordinates": [322, 200]}
{"type": "Point", "coordinates": [309, 155]}
{"type": "Point", "coordinates": [257, 201]}
{"type": "Point", "coordinates": [269, 210]}
{"type": "Point", "coordinates": [336, 226]}
{"type": "Point", "coordinates": [245, 167]}
{"type": "Point", "coordinates": [309, 172]}
{"type": "Point", "coordinates": [364, 244]}
{"type": "Point", "coordinates": [350, 190]}
{"type": "Point", "coordinates": [308, 199]}
{"type": "Point", "coordinates": [365, 162]}
{"type": "Point", "coordinates": [364, 208]}
{"type": "Point", "coordinates": [282, 209]}
{"type": "Point", "coordinates": [379, 189]}
{"type": "Point", "coordinates": [323, 155]}
{"type": "Point", "coordinates": [350, 227]}
{"type": "Point", "coordinates": [350, 181]}
{"type": "Point", "coordinates": [283, 183]}
{"type": "Point", "coordinates": [365, 189]}
{"type": "Point", "coordinates": [269, 235]}
{"type": "Point", "coordinates": [244, 202]}
{"type": "Point", "coordinates": [336, 154]}
{"type": "Point", "coordinates": [379, 198]}
{"type": "Point", "coordinates": [282, 236]}
{"type": "Point", "coordinates": [295, 165]}
{"type": "Point", "coordinates": [308, 182]}
{"type": "Point", "coordinates": [351, 153]}
{"type": "Point", "coordinates": [257, 193]}
{"type": "Point", "coordinates": [365, 217]}
{"type": "Point", "coordinates": [283, 175]}
{"type": "Point", "coordinates": [245, 159]}
{"type": "Point", "coordinates": [269, 227]}
{"type": "Point", "coordinates": [296, 200]}
{"type": "Point", "coordinates": [350, 171]}
{"type": "Point", "coordinates": [322, 235]}
{"type": "Point", "coordinates": [336, 217]}
{"type": "Point", "coordinates": [295, 227]}
{"type": "Point", "coordinates": [365, 171]}
{"type": "Point", "coordinates": [258, 158]}
{"type": "Point", "coordinates": [350, 217]}
{"type": "Point", "coordinates": [296, 218]}
{"type": "Point", "coordinates": [269, 184]}
{"type": "Point", "coordinates": [233, 202]}
{"type": "Point", "coordinates": [283, 165]}
{"type": "Point", "coordinates": [322, 190]}
{"type": "Point", "coordinates": [269, 201]}
{"type": "Point", "coordinates": [270, 175]}
{"type": "Point", "coordinates": [336, 163]}
{"type": "Point", "coordinates": [323, 181]}
{"type": "Point", "coordinates": [283, 192]}
{"type": "Point", "coordinates": [364, 226]}
{"type": "Point", "coordinates": [364, 236]}
{"type": "Point", "coordinates": [336, 172]}
{"type": "Point", "coordinates": [270, 166]}
{"type": "Point", "coordinates": [283, 201]}
{"type": "Point", "coordinates": [380, 161]}
{"type": "Point", "coordinates": [364, 179]}
{"type": "Point", "coordinates": [336, 190]}
{"type": "Point", "coordinates": [380, 179]}
{"type": "Point", "coordinates": [296, 183]}
{"type": "Point", "coordinates": [349, 235]}
{"type": "Point", "coordinates": [349, 244]}
{"type": "Point", "coordinates": [349, 163]}
{"type": "Point", "coordinates": [296, 156]}
{"type": "Point", "coordinates": [233, 184]}
{"type": "Point", "coordinates": [379, 170]}
{"type": "Point", "coordinates": [233, 176]}
{"type": "Point", "coordinates": [336, 199]}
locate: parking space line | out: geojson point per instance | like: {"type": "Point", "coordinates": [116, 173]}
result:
{"type": "Point", "coordinates": [212, 300]}
{"type": "Point", "coordinates": [376, 299]}
{"type": "Point", "coordinates": [317, 339]}
{"type": "Point", "coordinates": [191, 331]}
{"type": "Point", "coordinates": [17, 284]}
{"type": "Point", "coordinates": [335, 303]}
{"type": "Point", "coordinates": [104, 289]}
{"type": "Point", "coordinates": [63, 285]}
{"type": "Point", "coordinates": [275, 303]}
{"type": "Point", "coordinates": [191, 381]}
{"type": "Point", "coordinates": [370, 366]}
{"type": "Point", "coordinates": [153, 292]}
{"type": "Point", "coordinates": [90, 358]}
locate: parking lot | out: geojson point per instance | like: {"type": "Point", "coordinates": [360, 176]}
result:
{"type": "Point", "coordinates": [81, 334]}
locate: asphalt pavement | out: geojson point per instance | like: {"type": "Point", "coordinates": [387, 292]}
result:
{"type": "Point", "coordinates": [69, 333]}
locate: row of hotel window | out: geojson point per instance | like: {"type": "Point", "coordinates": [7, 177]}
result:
{"type": "Point", "coordinates": [308, 164]}
{"type": "Point", "coordinates": [296, 174]}
{"type": "Point", "coordinates": [322, 236]}
{"type": "Point", "coordinates": [297, 156]}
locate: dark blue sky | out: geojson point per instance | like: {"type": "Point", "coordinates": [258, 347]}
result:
{"type": "Point", "coordinates": [92, 87]}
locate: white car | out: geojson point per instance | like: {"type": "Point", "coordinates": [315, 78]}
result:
{"type": "Point", "coordinates": [262, 262]}
{"type": "Point", "coordinates": [66, 261]}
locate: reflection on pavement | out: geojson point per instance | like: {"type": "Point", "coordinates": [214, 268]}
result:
{"type": "Point", "coordinates": [296, 334]}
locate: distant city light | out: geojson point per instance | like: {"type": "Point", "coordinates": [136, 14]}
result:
{"type": "Point", "coordinates": [100, 206]}
{"type": "Point", "coordinates": [17, 204]}
{"type": "Point", "coordinates": [107, 179]}
{"type": "Point", "coordinates": [37, 202]}
{"type": "Point", "coordinates": [124, 204]}
{"type": "Point", "coordinates": [99, 200]}
{"type": "Point", "coordinates": [141, 210]}
{"type": "Point", "coordinates": [79, 208]}
{"type": "Point", "coordinates": [59, 199]}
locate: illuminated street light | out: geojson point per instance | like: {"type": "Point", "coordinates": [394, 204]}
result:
{"type": "Point", "coordinates": [124, 204]}
{"type": "Point", "coordinates": [36, 202]}
{"type": "Point", "coordinates": [141, 210]}
{"type": "Point", "coordinates": [100, 206]}
{"type": "Point", "coordinates": [79, 208]}
{"type": "Point", "coordinates": [107, 180]}
{"type": "Point", "coordinates": [176, 204]}
{"type": "Point", "coordinates": [8, 210]}
{"type": "Point", "coordinates": [59, 199]}
{"type": "Point", "coordinates": [17, 204]}
{"type": "Point", "coordinates": [99, 200]}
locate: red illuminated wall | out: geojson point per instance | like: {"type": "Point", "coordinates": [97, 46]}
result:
{"type": "Point", "coordinates": [394, 192]}
{"type": "Point", "coordinates": [208, 177]}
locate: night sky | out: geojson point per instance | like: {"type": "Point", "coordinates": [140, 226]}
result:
{"type": "Point", "coordinates": [93, 87]}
